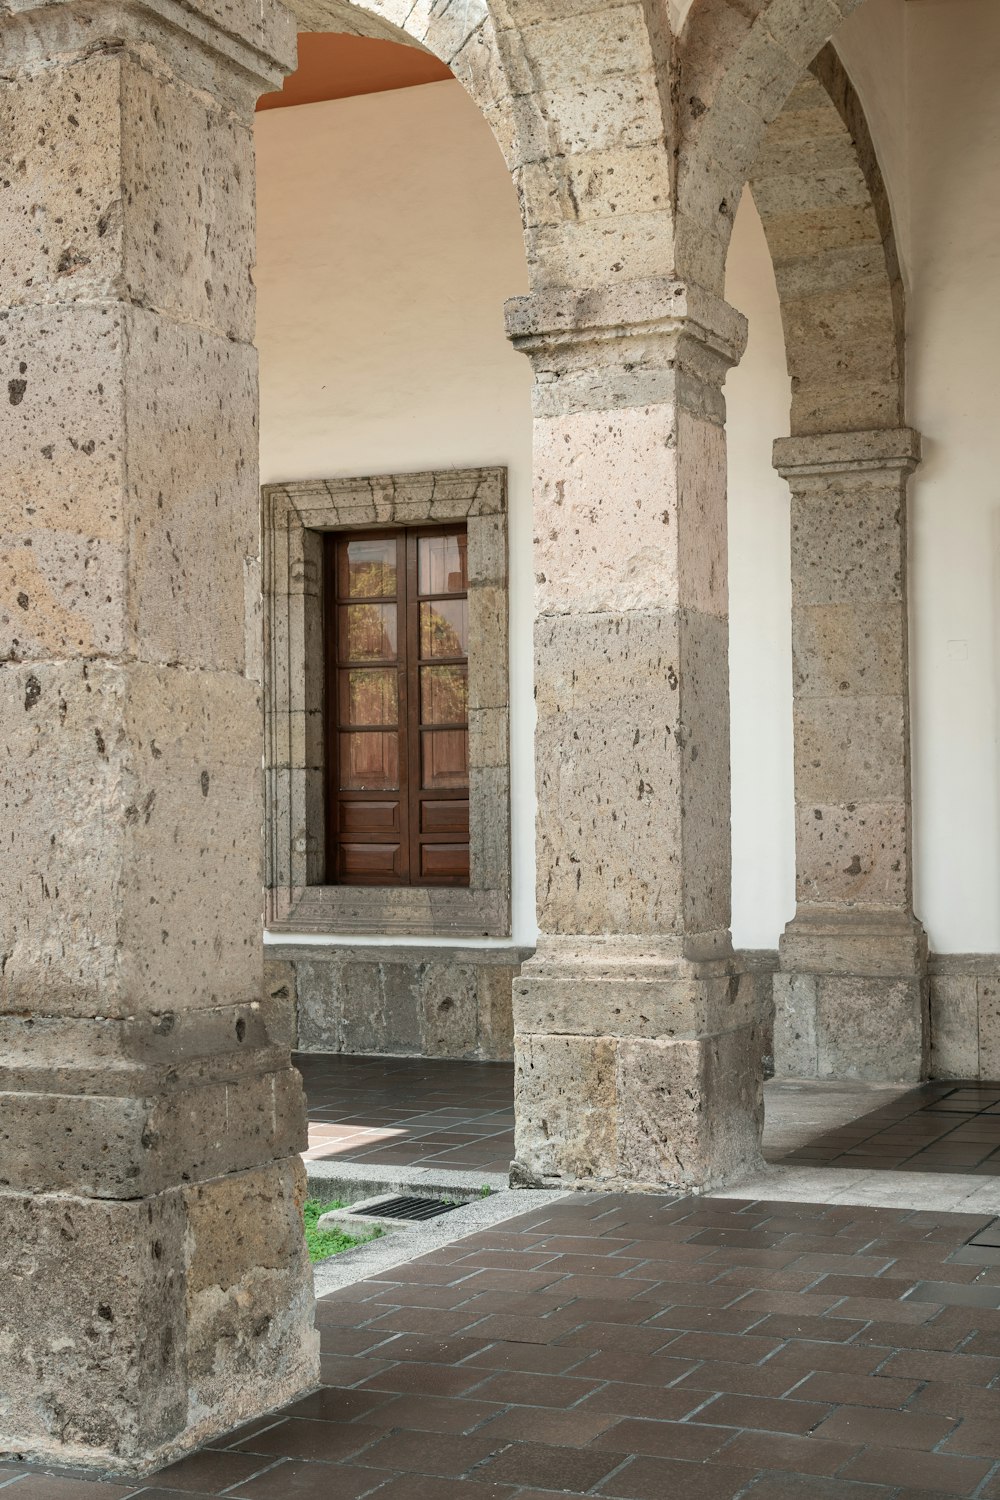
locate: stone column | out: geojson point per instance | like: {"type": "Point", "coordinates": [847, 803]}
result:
{"type": "Point", "coordinates": [153, 1285]}
{"type": "Point", "coordinates": [851, 997]}
{"type": "Point", "coordinates": [638, 1058]}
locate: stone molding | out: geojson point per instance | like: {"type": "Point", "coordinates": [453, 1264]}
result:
{"type": "Point", "coordinates": [640, 344]}
{"type": "Point", "coordinates": [821, 455]}
{"type": "Point", "coordinates": [293, 517]}
{"type": "Point", "coordinates": [257, 50]}
{"type": "Point", "coordinates": [861, 941]}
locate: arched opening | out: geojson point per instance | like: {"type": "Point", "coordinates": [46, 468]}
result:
{"type": "Point", "coordinates": [388, 241]}
{"type": "Point", "coordinates": [852, 948]}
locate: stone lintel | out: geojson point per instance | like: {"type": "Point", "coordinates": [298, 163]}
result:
{"type": "Point", "coordinates": [249, 54]}
{"type": "Point", "coordinates": [892, 450]}
{"type": "Point", "coordinates": [639, 344]}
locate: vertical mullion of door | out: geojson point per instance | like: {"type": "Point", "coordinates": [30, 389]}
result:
{"type": "Point", "coordinates": [331, 708]}
{"type": "Point", "coordinates": [413, 700]}
{"type": "Point", "coordinates": [404, 852]}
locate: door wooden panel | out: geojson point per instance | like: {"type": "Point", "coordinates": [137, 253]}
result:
{"type": "Point", "coordinates": [397, 762]}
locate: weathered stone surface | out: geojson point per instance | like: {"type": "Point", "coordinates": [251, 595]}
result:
{"type": "Point", "coordinates": [450, 1010]}
{"type": "Point", "coordinates": [846, 544]}
{"type": "Point", "coordinates": [872, 1029]}
{"type": "Point", "coordinates": [588, 461]}
{"type": "Point", "coordinates": [836, 939]}
{"type": "Point", "coordinates": [649, 1005]}
{"type": "Point", "coordinates": [98, 1338]}
{"type": "Point", "coordinates": [855, 854]}
{"type": "Point", "coordinates": [191, 486]}
{"type": "Point", "coordinates": [691, 1112]}
{"type": "Point", "coordinates": [565, 1108]}
{"type": "Point", "coordinates": [954, 1009]}
{"type": "Point", "coordinates": [613, 1110]}
{"type": "Point", "coordinates": [430, 1002]}
{"type": "Point", "coordinates": [796, 1053]}
{"type": "Point", "coordinates": [249, 1298]}
{"type": "Point", "coordinates": [988, 1001]}
{"type": "Point", "coordinates": [62, 512]}
{"type": "Point", "coordinates": [852, 760]}
{"type": "Point", "coordinates": [850, 750]}
{"type": "Point", "coordinates": [154, 1288]}
{"type": "Point", "coordinates": [201, 1317]}
{"type": "Point", "coordinates": [140, 797]}
{"type": "Point", "coordinates": [850, 649]}
{"type": "Point", "coordinates": [651, 701]}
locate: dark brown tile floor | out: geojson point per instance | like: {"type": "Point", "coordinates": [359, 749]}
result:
{"type": "Point", "coordinates": [642, 1349]}
{"type": "Point", "coordinates": [409, 1111]}
{"type": "Point", "coordinates": [939, 1127]}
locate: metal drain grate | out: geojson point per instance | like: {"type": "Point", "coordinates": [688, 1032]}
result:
{"type": "Point", "coordinates": [411, 1208]}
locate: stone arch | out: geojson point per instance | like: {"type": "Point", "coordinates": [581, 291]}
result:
{"type": "Point", "coordinates": [581, 108]}
{"type": "Point", "coordinates": [854, 948]}
{"type": "Point", "coordinates": [819, 191]}
{"type": "Point", "coordinates": [735, 69]}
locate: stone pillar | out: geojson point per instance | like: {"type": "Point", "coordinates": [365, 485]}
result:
{"type": "Point", "coordinates": [638, 1059]}
{"type": "Point", "coordinates": [851, 997]}
{"type": "Point", "coordinates": [154, 1289]}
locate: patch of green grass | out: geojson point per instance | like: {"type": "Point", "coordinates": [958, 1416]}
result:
{"type": "Point", "coordinates": [322, 1243]}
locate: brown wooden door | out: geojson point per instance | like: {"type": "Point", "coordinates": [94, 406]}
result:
{"type": "Point", "coordinates": [397, 762]}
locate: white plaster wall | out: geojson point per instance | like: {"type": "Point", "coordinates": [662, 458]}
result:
{"type": "Point", "coordinates": [953, 49]}
{"type": "Point", "coordinates": [388, 240]}
{"type": "Point", "coordinates": [760, 601]}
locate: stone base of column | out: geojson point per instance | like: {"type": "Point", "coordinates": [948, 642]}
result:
{"type": "Point", "coordinates": [155, 1289]}
{"type": "Point", "coordinates": [637, 1068]}
{"type": "Point", "coordinates": [851, 998]}
{"type": "Point", "coordinates": [134, 1331]}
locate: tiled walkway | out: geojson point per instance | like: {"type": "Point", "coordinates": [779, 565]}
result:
{"type": "Point", "coordinates": [637, 1347]}
{"type": "Point", "coordinates": [409, 1112]}
{"type": "Point", "coordinates": [940, 1127]}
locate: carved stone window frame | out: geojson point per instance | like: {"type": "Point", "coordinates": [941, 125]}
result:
{"type": "Point", "coordinates": [294, 516]}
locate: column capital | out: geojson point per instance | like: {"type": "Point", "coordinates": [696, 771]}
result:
{"type": "Point", "coordinates": [239, 54]}
{"type": "Point", "coordinates": [638, 344]}
{"type": "Point", "coordinates": [890, 450]}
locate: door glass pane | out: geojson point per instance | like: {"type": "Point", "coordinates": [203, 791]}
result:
{"type": "Point", "coordinates": [444, 628]}
{"type": "Point", "coordinates": [368, 632]}
{"type": "Point", "coordinates": [445, 755]}
{"type": "Point", "coordinates": [371, 568]}
{"type": "Point", "coordinates": [369, 762]}
{"type": "Point", "coordinates": [444, 695]}
{"type": "Point", "coordinates": [443, 564]}
{"type": "Point", "coordinates": [369, 697]}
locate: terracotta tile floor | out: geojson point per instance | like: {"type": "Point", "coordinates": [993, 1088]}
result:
{"type": "Point", "coordinates": [939, 1127]}
{"type": "Point", "coordinates": [646, 1349]}
{"type": "Point", "coordinates": [409, 1111]}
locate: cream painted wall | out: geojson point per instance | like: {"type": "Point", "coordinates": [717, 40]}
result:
{"type": "Point", "coordinates": [953, 51]}
{"type": "Point", "coordinates": [760, 601]}
{"type": "Point", "coordinates": [388, 240]}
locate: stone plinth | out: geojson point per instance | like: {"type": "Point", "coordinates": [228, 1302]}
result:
{"type": "Point", "coordinates": [637, 1061]}
{"type": "Point", "coordinates": [851, 998]}
{"type": "Point", "coordinates": [154, 1288]}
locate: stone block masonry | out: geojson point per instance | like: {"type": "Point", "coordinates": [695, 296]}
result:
{"type": "Point", "coordinates": [154, 1288]}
